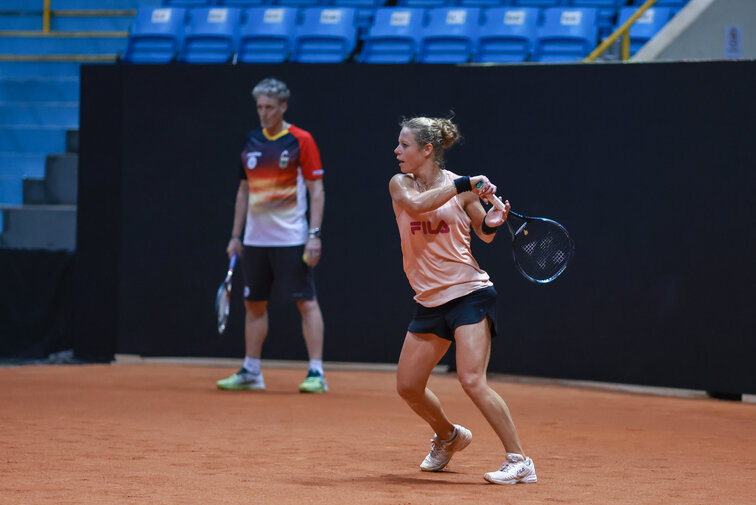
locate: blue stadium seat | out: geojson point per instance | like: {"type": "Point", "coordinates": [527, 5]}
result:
{"type": "Point", "coordinates": [425, 4]}
{"type": "Point", "coordinates": [242, 3]}
{"type": "Point", "coordinates": [607, 11]}
{"type": "Point", "coordinates": [301, 4]}
{"type": "Point", "coordinates": [483, 4]}
{"type": "Point", "coordinates": [450, 36]}
{"type": "Point", "coordinates": [211, 35]}
{"type": "Point", "coordinates": [156, 35]}
{"type": "Point", "coordinates": [567, 34]}
{"type": "Point", "coordinates": [365, 11]}
{"type": "Point", "coordinates": [665, 3]}
{"type": "Point", "coordinates": [189, 3]}
{"type": "Point", "coordinates": [267, 35]}
{"type": "Point", "coordinates": [539, 3]}
{"type": "Point", "coordinates": [326, 35]}
{"type": "Point", "coordinates": [394, 37]}
{"type": "Point", "coordinates": [646, 26]}
{"type": "Point", "coordinates": [507, 35]}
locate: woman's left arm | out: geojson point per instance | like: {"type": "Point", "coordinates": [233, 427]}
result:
{"type": "Point", "coordinates": [493, 219]}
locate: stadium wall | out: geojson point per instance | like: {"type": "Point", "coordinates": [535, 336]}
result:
{"type": "Point", "coordinates": [648, 166]}
{"type": "Point", "coordinates": [705, 30]}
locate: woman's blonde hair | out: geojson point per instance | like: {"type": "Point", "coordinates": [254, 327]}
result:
{"type": "Point", "coordinates": [441, 133]}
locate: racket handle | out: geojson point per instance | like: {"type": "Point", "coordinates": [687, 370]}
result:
{"type": "Point", "coordinates": [495, 200]}
{"type": "Point", "coordinates": [232, 264]}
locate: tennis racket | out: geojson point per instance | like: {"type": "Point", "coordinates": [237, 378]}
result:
{"type": "Point", "coordinates": [541, 247]}
{"type": "Point", "coordinates": [223, 297]}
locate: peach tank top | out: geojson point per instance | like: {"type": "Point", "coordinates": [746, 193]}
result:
{"type": "Point", "coordinates": [438, 261]}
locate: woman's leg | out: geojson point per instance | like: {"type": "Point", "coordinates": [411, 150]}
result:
{"type": "Point", "coordinates": [420, 354]}
{"type": "Point", "coordinates": [473, 352]}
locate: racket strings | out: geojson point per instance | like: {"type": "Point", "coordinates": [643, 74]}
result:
{"type": "Point", "coordinates": [542, 250]}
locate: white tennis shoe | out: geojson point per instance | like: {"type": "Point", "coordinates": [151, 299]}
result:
{"type": "Point", "coordinates": [442, 450]}
{"type": "Point", "coordinates": [515, 469]}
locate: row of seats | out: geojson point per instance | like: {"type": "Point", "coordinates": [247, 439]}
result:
{"type": "Point", "coordinates": [427, 4]}
{"type": "Point", "coordinates": [396, 35]}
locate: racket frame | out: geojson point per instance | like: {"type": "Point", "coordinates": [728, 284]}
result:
{"type": "Point", "coordinates": [223, 294]}
{"type": "Point", "coordinates": [500, 205]}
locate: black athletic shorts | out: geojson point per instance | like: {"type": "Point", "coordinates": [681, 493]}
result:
{"type": "Point", "coordinates": [468, 309]}
{"type": "Point", "coordinates": [277, 273]}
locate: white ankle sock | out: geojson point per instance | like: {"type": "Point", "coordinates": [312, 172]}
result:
{"type": "Point", "coordinates": [252, 364]}
{"type": "Point", "coordinates": [317, 365]}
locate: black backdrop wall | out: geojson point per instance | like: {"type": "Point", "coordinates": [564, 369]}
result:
{"type": "Point", "coordinates": [649, 167]}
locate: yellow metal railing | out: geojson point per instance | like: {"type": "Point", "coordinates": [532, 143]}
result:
{"type": "Point", "coordinates": [46, 17]}
{"type": "Point", "coordinates": [48, 14]}
{"type": "Point", "coordinates": [623, 31]}
{"type": "Point", "coordinates": [47, 32]}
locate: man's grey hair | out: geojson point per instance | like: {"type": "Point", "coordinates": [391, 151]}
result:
{"type": "Point", "coordinates": [273, 88]}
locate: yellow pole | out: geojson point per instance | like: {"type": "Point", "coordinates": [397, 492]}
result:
{"type": "Point", "coordinates": [624, 29]}
{"type": "Point", "coordinates": [626, 45]}
{"type": "Point", "coordinates": [46, 17]}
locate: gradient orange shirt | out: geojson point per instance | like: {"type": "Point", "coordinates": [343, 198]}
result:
{"type": "Point", "coordinates": [276, 168]}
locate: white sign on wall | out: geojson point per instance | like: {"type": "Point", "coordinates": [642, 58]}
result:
{"type": "Point", "coordinates": [733, 42]}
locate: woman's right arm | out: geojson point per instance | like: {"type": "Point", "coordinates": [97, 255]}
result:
{"type": "Point", "coordinates": [406, 197]}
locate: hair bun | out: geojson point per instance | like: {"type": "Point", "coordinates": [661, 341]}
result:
{"type": "Point", "coordinates": [449, 132]}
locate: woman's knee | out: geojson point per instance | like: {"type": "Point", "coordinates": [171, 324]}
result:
{"type": "Point", "coordinates": [473, 383]}
{"type": "Point", "coordinates": [408, 391]}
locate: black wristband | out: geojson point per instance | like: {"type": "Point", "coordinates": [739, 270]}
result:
{"type": "Point", "coordinates": [487, 230]}
{"type": "Point", "coordinates": [462, 184]}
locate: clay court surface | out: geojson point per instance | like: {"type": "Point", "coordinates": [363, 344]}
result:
{"type": "Point", "coordinates": [162, 434]}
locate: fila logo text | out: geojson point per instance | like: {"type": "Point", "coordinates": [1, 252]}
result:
{"type": "Point", "coordinates": [427, 228]}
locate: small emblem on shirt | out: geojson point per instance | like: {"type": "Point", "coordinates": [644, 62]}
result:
{"type": "Point", "coordinates": [283, 161]}
{"type": "Point", "coordinates": [427, 228]}
{"type": "Point", "coordinates": [252, 159]}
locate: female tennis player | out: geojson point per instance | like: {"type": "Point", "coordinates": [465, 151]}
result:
{"type": "Point", "coordinates": [456, 301]}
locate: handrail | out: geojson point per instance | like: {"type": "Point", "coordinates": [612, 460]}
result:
{"type": "Point", "coordinates": [48, 14]}
{"type": "Point", "coordinates": [46, 17]}
{"type": "Point", "coordinates": [624, 32]}
{"type": "Point", "coordinates": [116, 34]}
{"type": "Point", "coordinates": [80, 58]}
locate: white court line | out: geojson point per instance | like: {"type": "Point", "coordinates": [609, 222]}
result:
{"type": "Point", "coordinates": [123, 359]}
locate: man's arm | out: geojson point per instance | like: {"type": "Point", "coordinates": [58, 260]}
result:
{"type": "Point", "coordinates": [313, 247]}
{"type": "Point", "coordinates": [240, 219]}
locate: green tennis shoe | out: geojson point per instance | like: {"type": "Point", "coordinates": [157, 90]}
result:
{"type": "Point", "coordinates": [314, 383]}
{"type": "Point", "coordinates": [243, 380]}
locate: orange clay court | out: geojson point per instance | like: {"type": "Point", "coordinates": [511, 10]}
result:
{"type": "Point", "coordinates": [163, 434]}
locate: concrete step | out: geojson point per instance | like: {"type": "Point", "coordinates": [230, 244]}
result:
{"type": "Point", "coordinates": [65, 114]}
{"type": "Point", "coordinates": [60, 184]}
{"type": "Point", "coordinates": [32, 89]}
{"type": "Point", "coordinates": [22, 165]}
{"type": "Point", "coordinates": [38, 139]}
{"type": "Point", "coordinates": [59, 44]}
{"type": "Point", "coordinates": [50, 227]}
{"type": "Point", "coordinates": [39, 69]}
